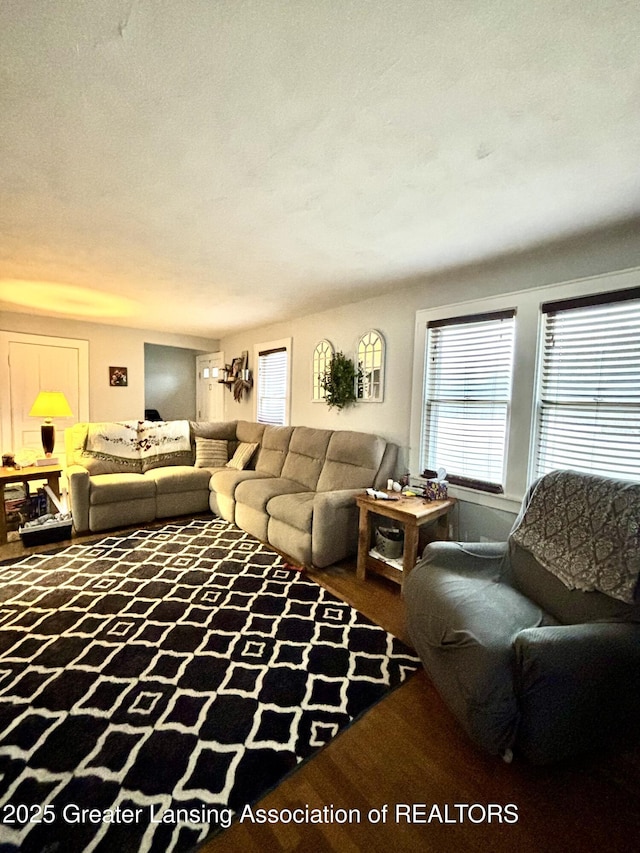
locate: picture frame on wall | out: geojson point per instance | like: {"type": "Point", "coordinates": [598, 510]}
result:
{"type": "Point", "coordinates": [118, 377]}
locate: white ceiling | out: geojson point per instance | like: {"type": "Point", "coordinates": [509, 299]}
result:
{"type": "Point", "coordinates": [229, 163]}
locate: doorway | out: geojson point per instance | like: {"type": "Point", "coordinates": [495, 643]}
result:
{"type": "Point", "coordinates": [209, 392]}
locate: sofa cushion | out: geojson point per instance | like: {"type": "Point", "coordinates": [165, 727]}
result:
{"type": "Point", "coordinates": [243, 455]}
{"type": "Point", "coordinates": [224, 482]}
{"type": "Point", "coordinates": [257, 493]}
{"type": "Point", "coordinates": [211, 452]}
{"type": "Point", "coordinates": [249, 432]}
{"type": "Point", "coordinates": [306, 456]}
{"type": "Point", "coordinates": [222, 430]}
{"type": "Point", "coordinates": [273, 450]}
{"type": "Point", "coordinates": [352, 461]}
{"type": "Point", "coordinates": [112, 488]}
{"type": "Point", "coordinates": [295, 510]}
{"type": "Point", "coordinates": [179, 478]}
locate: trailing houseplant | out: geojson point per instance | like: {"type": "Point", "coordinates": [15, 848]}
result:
{"type": "Point", "coordinates": [339, 382]}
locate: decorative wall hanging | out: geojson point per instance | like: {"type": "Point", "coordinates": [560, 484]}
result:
{"type": "Point", "coordinates": [237, 376]}
{"type": "Point", "coordinates": [118, 377]}
{"type": "Point", "coordinates": [339, 382]}
{"type": "Point", "coordinates": [322, 355]}
{"type": "Point", "coordinates": [371, 351]}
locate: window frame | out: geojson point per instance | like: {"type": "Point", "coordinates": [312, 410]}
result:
{"type": "Point", "coordinates": [556, 366]}
{"type": "Point", "coordinates": [521, 434]}
{"type": "Point", "coordinates": [447, 371]}
{"type": "Point", "coordinates": [263, 348]}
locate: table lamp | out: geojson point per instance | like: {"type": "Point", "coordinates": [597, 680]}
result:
{"type": "Point", "coordinates": [48, 405]}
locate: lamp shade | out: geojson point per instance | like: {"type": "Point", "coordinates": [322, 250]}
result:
{"type": "Point", "coordinates": [48, 405]}
{"type": "Point", "coordinates": [51, 404]}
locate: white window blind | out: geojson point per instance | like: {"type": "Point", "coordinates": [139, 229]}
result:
{"type": "Point", "coordinates": [468, 392]}
{"type": "Point", "coordinates": [589, 386]}
{"type": "Point", "coordinates": [272, 386]}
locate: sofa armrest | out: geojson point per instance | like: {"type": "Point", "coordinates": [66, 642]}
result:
{"type": "Point", "coordinates": [335, 526]}
{"type": "Point", "coordinates": [466, 557]}
{"type": "Point", "coordinates": [577, 686]}
{"type": "Point", "coordinates": [79, 487]}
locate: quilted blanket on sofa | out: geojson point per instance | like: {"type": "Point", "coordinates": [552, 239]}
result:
{"type": "Point", "coordinates": [141, 441]}
{"type": "Point", "coordinates": [585, 530]}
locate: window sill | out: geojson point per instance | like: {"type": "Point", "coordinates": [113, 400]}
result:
{"type": "Point", "coordinates": [506, 503]}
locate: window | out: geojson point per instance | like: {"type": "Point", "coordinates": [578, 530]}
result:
{"type": "Point", "coordinates": [272, 399]}
{"type": "Point", "coordinates": [371, 366]}
{"type": "Point", "coordinates": [588, 413]}
{"type": "Point", "coordinates": [322, 355]}
{"type": "Point", "coordinates": [467, 397]}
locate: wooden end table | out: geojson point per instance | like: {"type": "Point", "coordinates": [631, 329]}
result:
{"type": "Point", "coordinates": [50, 473]}
{"type": "Point", "coordinates": [413, 513]}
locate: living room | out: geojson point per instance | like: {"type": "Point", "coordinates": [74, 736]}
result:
{"type": "Point", "coordinates": [196, 178]}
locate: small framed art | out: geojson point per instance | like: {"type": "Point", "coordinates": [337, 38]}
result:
{"type": "Point", "coordinates": [118, 377]}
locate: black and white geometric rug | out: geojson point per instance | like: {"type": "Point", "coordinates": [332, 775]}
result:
{"type": "Point", "coordinates": [155, 683]}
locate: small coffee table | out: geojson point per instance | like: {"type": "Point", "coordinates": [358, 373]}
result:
{"type": "Point", "coordinates": [413, 513]}
{"type": "Point", "coordinates": [50, 473]}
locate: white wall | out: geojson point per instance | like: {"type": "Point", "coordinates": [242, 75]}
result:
{"type": "Point", "coordinates": [394, 314]}
{"type": "Point", "coordinates": [108, 346]}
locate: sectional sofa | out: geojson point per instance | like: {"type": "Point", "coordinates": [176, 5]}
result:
{"type": "Point", "coordinates": [293, 487]}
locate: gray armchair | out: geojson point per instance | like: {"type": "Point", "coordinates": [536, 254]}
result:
{"type": "Point", "coordinates": [535, 643]}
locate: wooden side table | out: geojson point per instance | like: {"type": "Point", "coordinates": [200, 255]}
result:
{"type": "Point", "coordinates": [412, 513]}
{"type": "Point", "coordinates": [50, 473]}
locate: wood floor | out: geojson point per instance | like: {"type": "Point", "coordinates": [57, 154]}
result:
{"type": "Point", "coordinates": [408, 754]}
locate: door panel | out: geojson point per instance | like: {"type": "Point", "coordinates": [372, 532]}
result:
{"type": "Point", "coordinates": [30, 364]}
{"type": "Point", "coordinates": [210, 394]}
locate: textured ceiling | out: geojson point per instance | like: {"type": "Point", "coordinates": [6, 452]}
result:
{"type": "Point", "coordinates": [228, 163]}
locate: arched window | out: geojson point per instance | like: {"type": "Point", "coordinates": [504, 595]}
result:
{"type": "Point", "coordinates": [371, 367]}
{"type": "Point", "coordinates": [322, 355]}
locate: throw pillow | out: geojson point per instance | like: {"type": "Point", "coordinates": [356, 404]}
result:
{"type": "Point", "coordinates": [242, 456]}
{"type": "Point", "coordinates": [211, 453]}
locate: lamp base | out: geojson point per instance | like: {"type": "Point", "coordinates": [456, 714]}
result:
{"type": "Point", "coordinates": [48, 436]}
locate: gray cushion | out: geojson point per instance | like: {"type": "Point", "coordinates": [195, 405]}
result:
{"type": "Point", "coordinates": [352, 461]}
{"type": "Point", "coordinates": [295, 510]}
{"type": "Point", "coordinates": [307, 452]}
{"type": "Point", "coordinates": [257, 493]}
{"type": "Point", "coordinates": [112, 488]}
{"type": "Point", "coordinates": [273, 450]}
{"type": "Point", "coordinates": [179, 478]}
{"type": "Point", "coordinates": [225, 481]}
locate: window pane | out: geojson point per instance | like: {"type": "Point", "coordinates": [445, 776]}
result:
{"type": "Point", "coordinates": [272, 387]}
{"type": "Point", "coordinates": [589, 391]}
{"type": "Point", "coordinates": [468, 390]}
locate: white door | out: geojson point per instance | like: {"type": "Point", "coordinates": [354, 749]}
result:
{"type": "Point", "coordinates": [209, 392]}
{"type": "Point", "coordinates": [33, 363]}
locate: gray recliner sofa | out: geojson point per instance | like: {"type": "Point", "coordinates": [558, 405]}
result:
{"type": "Point", "coordinates": [534, 644]}
{"type": "Point", "coordinates": [294, 487]}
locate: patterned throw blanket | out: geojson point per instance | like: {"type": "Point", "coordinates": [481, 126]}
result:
{"type": "Point", "coordinates": [138, 440]}
{"type": "Point", "coordinates": [584, 529]}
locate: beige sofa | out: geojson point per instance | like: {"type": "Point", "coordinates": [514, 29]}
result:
{"type": "Point", "coordinates": [296, 489]}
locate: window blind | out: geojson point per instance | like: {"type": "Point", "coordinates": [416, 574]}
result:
{"type": "Point", "coordinates": [588, 415]}
{"type": "Point", "coordinates": [272, 386]}
{"type": "Point", "coordinates": [467, 397]}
